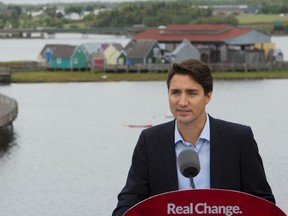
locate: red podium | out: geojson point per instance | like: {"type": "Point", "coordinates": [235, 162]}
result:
{"type": "Point", "coordinates": [205, 202]}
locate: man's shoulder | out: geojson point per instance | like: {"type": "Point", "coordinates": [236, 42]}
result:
{"type": "Point", "coordinates": [167, 126]}
{"type": "Point", "coordinates": [227, 124]}
{"type": "Point", "coordinates": [161, 133]}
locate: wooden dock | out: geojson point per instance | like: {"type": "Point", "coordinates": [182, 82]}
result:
{"type": "Point", "coordinates": [8, 111]}
{"type": "Point", "coordinates": [246, 67]}
{"type": "Point", "coordinates": [5, 75]}
{"type": "Point", "coordinates": [133, 68]}
{"type": "Point", "coordinates": [215, 67]}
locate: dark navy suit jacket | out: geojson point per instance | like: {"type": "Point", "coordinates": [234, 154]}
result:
{"type": "Point", "coordinates": [235, 163]}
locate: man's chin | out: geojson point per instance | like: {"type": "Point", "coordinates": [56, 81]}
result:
{"type": "Point", "coordinates": [183, 120]}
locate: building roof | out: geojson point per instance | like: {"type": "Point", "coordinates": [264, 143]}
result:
{"type": "Point", "coordinates": [58, 50]}
{"type": "Point", "coordinates": [48, 46]}
{"type": "Point", "coordinates": [139, 48]}
{"type": "Point", "coordinates": [198, 28]}
{"type": "Point", "coordinates": [197, 33]}
{"type": "Point", "coordinates": [63, 51]}
{"type": "Point", "coordinates": [185, 44]}
{"type": "Point", "coordinates": [94, 47]}
{"type": "Point", "coordinates": [117, 46]}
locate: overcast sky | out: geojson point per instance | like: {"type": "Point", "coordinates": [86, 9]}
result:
{"type": "Point", "coordinates": [56, 1]}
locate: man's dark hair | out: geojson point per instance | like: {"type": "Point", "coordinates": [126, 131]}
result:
{"type": "Point", "coordinates": [196, 70]}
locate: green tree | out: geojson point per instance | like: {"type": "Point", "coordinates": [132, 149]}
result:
{"type": "Point", "coordinates": [59, 15]}
{"type": "Point", "coordinates": [151, 14]}
{"type": "Point", "coordinates": [2, 23]}
{"type": "Point", "coordinates": [274, 7]}
{"type": "Point", "coordinates": [51, 11]}
{"type": "Point", "coordinates": [218, 20]}
{"type": "Point", "coordinates": [89, 8]}
{"type": "Point", "coordinates": [16, 10]}
{"type": "Point", "coordinates": [14, 22]}
{"type": "Point", "coordinates": [74, 9]}
{"type": "Point", "coordinates": [3, 20]}
{"type": "Point", "coordinates": [90, 20]}
{"type": "Point", "coordinates": [25, 21]}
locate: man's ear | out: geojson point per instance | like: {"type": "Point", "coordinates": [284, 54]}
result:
{"type": "Point", "coordinates": [208, 97]}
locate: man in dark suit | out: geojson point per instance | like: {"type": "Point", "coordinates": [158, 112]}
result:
{"type": "Point", "coordinates": [228, 153]}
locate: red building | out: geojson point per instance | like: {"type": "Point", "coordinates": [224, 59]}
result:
{"type": "Point", "coordinates": [216, 43]}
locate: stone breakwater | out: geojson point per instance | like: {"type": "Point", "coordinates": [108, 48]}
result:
{"type": "Point", "coordinates": [8, 111]}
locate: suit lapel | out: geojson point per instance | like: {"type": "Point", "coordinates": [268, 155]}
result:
{"type": "Point", "coordinates": [217, 147]}
{"type": "Point", "coordinates": [169, 155]}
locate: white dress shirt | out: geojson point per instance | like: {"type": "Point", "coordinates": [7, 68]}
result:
{"type": "Point", "coordinates": [202, 180]}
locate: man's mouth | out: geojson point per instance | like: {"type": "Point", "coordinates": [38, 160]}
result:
{"type": "Point", "coordinates": [183, 111]}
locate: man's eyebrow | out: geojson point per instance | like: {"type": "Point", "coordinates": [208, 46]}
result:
{"type": "Point", "coordinates": [192, 90]}
{"type": "Point", "coordinates": [174, 89]}
{"type": "Point", "coordinates": [186, 90]}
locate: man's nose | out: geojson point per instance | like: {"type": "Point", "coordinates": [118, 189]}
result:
{"type": "Point", "coordinates": [183, 100]}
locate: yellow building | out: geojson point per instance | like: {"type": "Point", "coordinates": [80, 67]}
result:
{"type": "Point", "coordinates": [265, 46]}
{"type": "Point", "coordinates": [112, 52]}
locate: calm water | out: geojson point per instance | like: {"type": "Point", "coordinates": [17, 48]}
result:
{"type": "Point", "coordinates": [72, 147]}
{"type": "Point", "coordinates": [29, 49]}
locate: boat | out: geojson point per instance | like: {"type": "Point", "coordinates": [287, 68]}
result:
{"type": "Point", "coordinates": [140, 126]}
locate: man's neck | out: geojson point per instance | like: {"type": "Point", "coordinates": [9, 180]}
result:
{"type": "Point", "coordinates": [191, 132]}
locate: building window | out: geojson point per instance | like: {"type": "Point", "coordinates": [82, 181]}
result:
{"type": "Point", "coordinates": [156, 52]}
{"type": "Point", "coordinates": [59, 60]}
{"type": "Point", "coordinates": [75, 61]}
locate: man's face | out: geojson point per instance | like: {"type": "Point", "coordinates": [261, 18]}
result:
{"type": "Point", "coordinates": [187, 99]}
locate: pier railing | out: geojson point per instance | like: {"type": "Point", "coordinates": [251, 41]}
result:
{"type": "Point", "coordinates": [9, 110]}
{"type": "Point", "coordinates": [257, 66]}
{"type": "Point", "coordinates": [215, 67]}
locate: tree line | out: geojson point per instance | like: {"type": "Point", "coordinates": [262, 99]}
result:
{"type": "Point", "coordinates": [148, 13]}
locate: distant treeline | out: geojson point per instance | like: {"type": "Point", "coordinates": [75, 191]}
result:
{"type": "Point", "coordinates": [126, 14]}
{"type": "Point", "coordinates": [156, 13]}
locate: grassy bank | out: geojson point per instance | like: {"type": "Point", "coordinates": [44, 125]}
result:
{"type": "Point", "coordinates": [245, 19]}
{"type": "Point", "coordinates": [263, 22]}
{"type": "Point", "coordinates": [60, 76]}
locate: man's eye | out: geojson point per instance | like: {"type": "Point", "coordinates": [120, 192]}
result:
{"type": "Point", "coordinates": [192, 93]}
{"type": "Point", "coordinates": [174, 92]}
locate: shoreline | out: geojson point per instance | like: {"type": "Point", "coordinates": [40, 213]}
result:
{"type": "Point", "coordinates": [87, 76]}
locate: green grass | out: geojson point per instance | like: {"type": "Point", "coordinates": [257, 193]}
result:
{"type": "Point", "coordinates": [251, 75]}
{"type": "Point", "coordinates": [60, 76]}
{"type": "Point", "coordinates": [260, 18]}
{"type": "Point", "coordinates": [263, 22]}
{"type": "Point", "coordinates": [78, 24]}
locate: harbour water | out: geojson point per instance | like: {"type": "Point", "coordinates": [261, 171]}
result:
{"type": "Point", "coordinates": [29, 49]}
{"type": "Point", "coordinates": [71, 147]}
